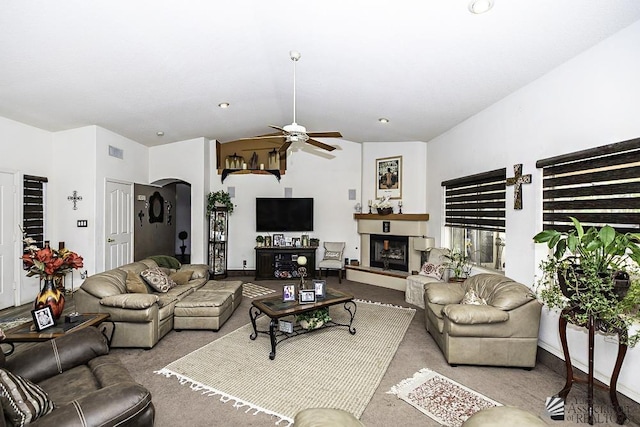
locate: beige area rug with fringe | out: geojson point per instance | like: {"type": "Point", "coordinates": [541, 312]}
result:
{"type": "Point", "coordinates": [251, 290]}
{"type": "Point", "coordinates": [326, 368]}
{"type": "Point", "coordinates": [440, 398]}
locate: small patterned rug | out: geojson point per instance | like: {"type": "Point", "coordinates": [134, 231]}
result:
{"type": "Point", "coordinates": [440, 398]}
{"type": "Point", "coordinates": [250, 290]}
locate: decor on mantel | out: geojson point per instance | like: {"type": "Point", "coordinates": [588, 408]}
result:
{"type": "Point", "coordinates": [517, 181]}
{"type": "Point", "coordinates": [383, 206]}
{"type": "Point", "coordinates": [51, 265]}
{"type": "Point", "coordinates": [389, 177]}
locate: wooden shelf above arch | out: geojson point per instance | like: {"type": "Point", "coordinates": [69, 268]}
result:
{"type": "Point", "coordinates": [245, 149]}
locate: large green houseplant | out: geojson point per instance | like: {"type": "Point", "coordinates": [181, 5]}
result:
{"type": "Point", "coordinates": [593, 272]}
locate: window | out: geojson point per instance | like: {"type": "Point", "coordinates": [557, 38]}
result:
{"type": "Point", "coordinates": [598, 186]}
{"type": "Point", "coordinates": [34, 192]}
{"type": "Point", "coordinates": [475, 217]}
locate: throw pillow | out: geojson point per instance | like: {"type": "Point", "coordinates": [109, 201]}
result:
{"type": "Point", "coordinates": [472, 298]}
{"type": "Point", "coordinates": [165, 261]}
{"type": "Point", "coordinates": [181, 277]}
{"type": "Point", "coordinates": [135, 284]}
{"type": "Point", "coordinates": [332, 255]}
{"type": "Point", "coordinates": [23, 402]}
{"type": "Point", "coordinates": [432, 270]}
{"type": "Point", "coordinates": [157, 279]}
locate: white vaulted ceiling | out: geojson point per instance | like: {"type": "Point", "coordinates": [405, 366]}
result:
{"type": "Point", "coordinates": [136, 67]}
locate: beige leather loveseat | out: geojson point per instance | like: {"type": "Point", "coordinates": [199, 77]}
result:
{"type": "Point", "coordinates": [142, 318]}
{"type": "Point", "coordinates": [496, 325]}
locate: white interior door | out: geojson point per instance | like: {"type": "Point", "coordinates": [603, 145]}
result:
{"type": "Point", "coordinates": [8, 227]}
{"type": "Point", "coordinates": [118, 224]}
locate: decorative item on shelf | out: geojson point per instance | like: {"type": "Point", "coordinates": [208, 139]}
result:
{"type": "Point", "coordinates": [259, 241]}
{"type": "Point", "coordinates": [51, 265]}
{"type": "Point", "coordinates": [302, 269]}
{"type": "Point", "coordinates": [383, 206]}
{"type": "Point", "coordinates": [253, 161]}
{"type": "Point", "coordinates": [370, 203]}
{"type": "Point", "coordinates": [305, 240]}
{"type": "Point", "coordinates": [267, 241]}
{"type": "Point", "coordinates": [234, 162]}
{"type": "Point", "coordinates": [400, 207]}
{"type": "Point", "coordinates": [314, 242]}
{"type": "Point", "coordinates": [314, 319]}
{"type": "Point", "coordinates": [273, 161]}
{"type": "Point", "coordinates": [593, 274]}
{"type": "Point", "coordinates": [219, 198]}
{"type": "Point", "coordinates": [358, 207]}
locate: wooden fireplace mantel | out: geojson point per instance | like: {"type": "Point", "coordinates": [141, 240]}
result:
{"type": "Point", "coordinates": [394, 217]}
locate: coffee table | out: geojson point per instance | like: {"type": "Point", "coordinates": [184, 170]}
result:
{"type": "Point", "coordinates": [275, 308]}
{"type": "Point", "coordinates": [26, 332]}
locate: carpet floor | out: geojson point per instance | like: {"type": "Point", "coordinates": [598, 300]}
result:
{"type": "Point", "coordinates": [327, 368]}
{"type": "Point", "coordinates": [179, 405]}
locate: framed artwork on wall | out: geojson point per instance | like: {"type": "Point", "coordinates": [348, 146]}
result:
{"type": "Point", "coordinates": [389, 177]}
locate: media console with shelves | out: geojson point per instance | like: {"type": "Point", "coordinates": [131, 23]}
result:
{"type": "Point", "coordinates": [273, 262]}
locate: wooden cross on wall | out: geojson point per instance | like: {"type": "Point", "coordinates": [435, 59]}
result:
{"type": "Point", "coordinates": [517, 182]}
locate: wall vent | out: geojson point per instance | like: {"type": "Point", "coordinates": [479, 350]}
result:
{"type": "Point", "coordinates": [116, 152]}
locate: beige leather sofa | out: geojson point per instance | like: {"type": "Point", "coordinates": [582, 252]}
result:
{"type": "Point", "coordinates": [502, 332]}
{"type": "Point", "coordinates": [142, 319]}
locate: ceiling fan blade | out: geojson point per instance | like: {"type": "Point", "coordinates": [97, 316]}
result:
{"type": "Point", "coordinates": [284, 147]}
{"type": "Point", "coordinates": [324, 134]}
{"type": "Point", "coordinates": [320, 145]}
{"type": "Point", "coordinates": [276, 127]}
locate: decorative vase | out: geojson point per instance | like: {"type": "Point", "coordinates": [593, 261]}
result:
{"type": "Point", "coordinates": [384, 211]}
{"type": "Point", "coordinates": [50, 295]}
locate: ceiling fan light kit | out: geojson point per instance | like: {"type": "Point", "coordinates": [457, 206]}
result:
{"type": "Point", "coordinates": [480, 6]}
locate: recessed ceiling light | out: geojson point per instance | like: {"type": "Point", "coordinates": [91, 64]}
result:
{"type": "Point", "coordinates": [160, 133]}
{"type": "Point", "coordinates": [223, 105]}
{"type": "Point", "coordinates": [480, 6]}
{"type": "Point", "coordinates": [383, 120]}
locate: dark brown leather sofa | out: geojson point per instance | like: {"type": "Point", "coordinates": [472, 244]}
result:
{"type": "Point", "coordinates": [88, 386]}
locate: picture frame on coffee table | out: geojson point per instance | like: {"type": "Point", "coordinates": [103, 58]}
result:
{"type": "Point", "coordinates": [307, 296]}
{"type": "Point", "coordinates": [320, 287]}
{"type": "Point", "coordinates": [289, 292]}
{"type": "Point", "coordinates": [42, 318]}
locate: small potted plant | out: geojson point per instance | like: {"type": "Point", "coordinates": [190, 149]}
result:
{"type": "Point", "coordinates": [259, 241]}
{"type": "Point", "coordinates": [314, 319]}
{"type": "Point", "coordinates": [458, 265]}
{"type": "Point", "coordinates": [219, 198]}
{"type": "Point", "coordinates": [592, 272]}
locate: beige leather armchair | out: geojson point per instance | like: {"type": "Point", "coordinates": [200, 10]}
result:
{"type": "Point", "coordinates": [502, 331]}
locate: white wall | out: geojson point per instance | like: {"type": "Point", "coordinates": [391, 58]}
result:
{"type": "Point", "coordinates": [414, 173]}
{"type": "Point", "coordinates": [188, 161]}
{"type": "Point", "coordinates": [589, 101]}
{"type": "Point", "coordinates": [308, 174]}
{"type": "Point", "coordinates": [25, 150]}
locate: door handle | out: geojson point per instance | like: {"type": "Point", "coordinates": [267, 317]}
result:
{"type": "Point", "coordinates": [110, 240]}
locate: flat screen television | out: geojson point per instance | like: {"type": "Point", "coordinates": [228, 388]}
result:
{"type": "Point", "coordinates": [284, 214]}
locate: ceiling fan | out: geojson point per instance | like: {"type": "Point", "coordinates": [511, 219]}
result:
{"type": "Point", "coordinates": [295, 132]}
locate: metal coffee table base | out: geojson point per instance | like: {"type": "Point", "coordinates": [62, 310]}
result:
{"type": "Point", "coordinates": [278, 336]}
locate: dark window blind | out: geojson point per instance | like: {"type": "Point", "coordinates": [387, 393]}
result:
{"type": "Point", "coordinates": [33, 208]}
{"type": "Point", "coordinates": [476, 201]}
{"type": "Point", "coordinates": [598, 186]}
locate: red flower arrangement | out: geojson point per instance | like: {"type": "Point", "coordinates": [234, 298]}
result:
{"type": "Point", "coordinates": [48, 263]}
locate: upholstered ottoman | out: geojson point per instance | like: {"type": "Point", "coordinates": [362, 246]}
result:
{"type": "Point", "coordinates": [234, 287]}
{"type": "Point", "coordinates": [325, 417]}
{"type": "Point", "coordinates": [203, 309]}
{"type": "Point", "coordinates": [503, 416]}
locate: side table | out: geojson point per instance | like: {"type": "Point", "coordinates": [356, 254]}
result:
{"type": "Point", "coordinates": [571, 378]}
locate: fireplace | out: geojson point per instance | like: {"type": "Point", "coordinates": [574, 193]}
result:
{"type": "Point", "coordinates": [398, 251]}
